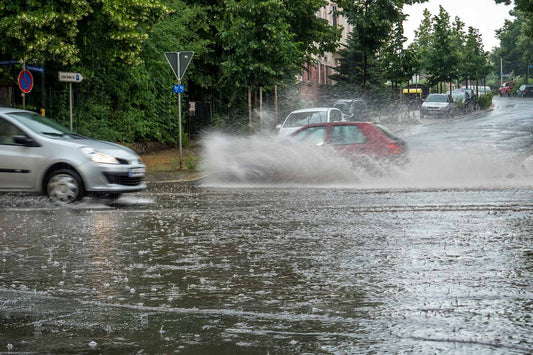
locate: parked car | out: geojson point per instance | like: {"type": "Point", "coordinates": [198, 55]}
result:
{"type": "Point", "coordinates": [353, 109]}
{"type": "Point", "coordinates": [356, 139]}
{"type": "Point", "coordinates": [484, 90]}
{"type": "Point", "coordinates": [304, 117]}
{"type": "Point", "coordinates": [38, 155]}
{"type": "Point", "coordinates": [438, 105]}
{"type": "Point", "coordinates": [525, 90]}
{"type": "Point", "coordinates": [506, 88]}
{"type": "Point", "coordinates": [467, 97]}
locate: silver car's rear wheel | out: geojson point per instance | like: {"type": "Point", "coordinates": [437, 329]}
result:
{"type": "Point", "coordinates": [64, 186]}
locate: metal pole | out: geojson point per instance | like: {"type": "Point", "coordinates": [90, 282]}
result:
{"type": "Point", "coordinates": [501, 71]}
{"type": "Point", "coordinates": [179, 123]}
{"type": "Point", "coordinates": [70, 101]}
{"type": "Point", "coordinates": [250, 109]}
{"type": "Point", "coordinates": [23, 93]}
{"type": "Point", "coordinates": [276, 103]}
{"type": "Point", "coordinates": [260, 107]}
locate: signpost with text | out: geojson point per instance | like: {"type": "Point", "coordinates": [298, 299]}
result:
{"type": "Point", "coordinates": [70, 78]}
{"type": "Point", "coordinates": [179, 61]}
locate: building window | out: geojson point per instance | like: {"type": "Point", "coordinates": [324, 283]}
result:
{"type": "Point", "coordinates": [333, 16]}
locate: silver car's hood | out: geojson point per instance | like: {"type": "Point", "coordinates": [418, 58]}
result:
{"type": "Point", "coordinates": [435, 104]}
{"type": "Point", "coordinates": [110, 148]}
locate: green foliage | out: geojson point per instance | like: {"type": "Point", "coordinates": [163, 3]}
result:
{"type": "Point", "coordinates": [447, 52]}
{"type": "Point", "coordinates": [485, 101]}
{"type": "Point", "coordinates": [36, 31]}
{"type": "Point", "coordinates": [191, 162]}
{"type": "Point", "coordinates": [459, 104]}
{"type": "Point", "coordinates": [443, 58]}
{"type": "Point", "coordinates": [375, 24]}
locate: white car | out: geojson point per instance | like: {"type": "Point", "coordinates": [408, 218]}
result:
{"type": "Point", "coordinates": [304, 117]}
{"type": "Point", "coordinates": [484, 90]}
{"type": "Point", "coordinates": [437, 105]}
{"type": "Point", "coordinates": [38, 155]}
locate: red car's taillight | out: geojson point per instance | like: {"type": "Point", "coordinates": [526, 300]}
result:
{"type": "Point", "coordinates": [394, 148]}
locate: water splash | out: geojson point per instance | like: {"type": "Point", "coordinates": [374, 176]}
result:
{"type": "Point", "coordinates": [265, 159]}
{"type": "Point", "coordinates": [230, 160]}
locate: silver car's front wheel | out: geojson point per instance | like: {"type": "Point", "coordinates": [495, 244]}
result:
{"type": "Point", "coordinates": [64, 186]}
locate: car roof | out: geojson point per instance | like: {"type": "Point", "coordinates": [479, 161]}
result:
{"type": "Point", "coordinates": [339, 123]}
{"type": "Point", "coordinates": [11, 109]}
{"type": "Point", "coordinates": [314, 109]}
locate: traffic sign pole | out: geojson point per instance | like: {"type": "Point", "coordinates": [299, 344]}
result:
{"type": "Point", "coordinates": [70, 78]}
{"type": "Point", "coordinates": [23, 93]}
{"type": "Point", "coordinates": [70, 103]}
{"type": "Point", "coordinates": [179, 61]}
{"type": "Point", "coordinates": [179, 124]}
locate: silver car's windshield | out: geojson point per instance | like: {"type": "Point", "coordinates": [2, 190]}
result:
{"type": "Point", "coordinates": [40, 124]}
{"type": "Point", "coordinates": [437, 98]}
{"type": "Point", "coordinates": [299, 119]}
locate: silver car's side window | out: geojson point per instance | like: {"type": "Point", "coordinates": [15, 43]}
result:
{"type": "Point", "coordinates": [8, 132]}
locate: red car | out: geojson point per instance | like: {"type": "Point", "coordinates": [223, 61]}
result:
{"type": "Point", "coordinates": [506, 88]}
{"type": "Point", "coordinates": [355, 140]}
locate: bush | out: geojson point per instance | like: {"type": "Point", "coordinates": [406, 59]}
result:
{"type": "Point", "coordinates": [485, 101]}
{"type": "Point", "coordinates": [459, 105]}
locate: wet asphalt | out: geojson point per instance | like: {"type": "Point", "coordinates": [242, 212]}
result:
{"type": "Point", "coordinates": [435, 257]}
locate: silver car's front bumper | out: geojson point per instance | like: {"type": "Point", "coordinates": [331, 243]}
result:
{"type": "Point", "coordinates": [115, 178]}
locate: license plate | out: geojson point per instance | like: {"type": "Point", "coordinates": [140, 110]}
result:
{"type": "Point", "coordinates": [136, 172]}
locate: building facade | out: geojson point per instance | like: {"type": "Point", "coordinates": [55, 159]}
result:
{"type": "Point", "coordinates": [315, 79]}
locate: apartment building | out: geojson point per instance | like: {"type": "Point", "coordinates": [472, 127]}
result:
{"type": "Point", "coordinates": [316, 77]}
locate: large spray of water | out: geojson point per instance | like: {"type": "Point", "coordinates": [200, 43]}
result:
{"type": "Point", "coordinates": [230, 160]}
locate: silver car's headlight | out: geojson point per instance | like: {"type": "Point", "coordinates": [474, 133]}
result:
{"type": "Point", "coordinates": [98, 157]}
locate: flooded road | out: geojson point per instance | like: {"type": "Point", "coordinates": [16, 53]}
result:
{"type": "Point", "coordinates": [435, 259]}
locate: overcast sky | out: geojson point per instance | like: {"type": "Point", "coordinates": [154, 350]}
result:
{"type": "Point", "coordinates": [485, 15]}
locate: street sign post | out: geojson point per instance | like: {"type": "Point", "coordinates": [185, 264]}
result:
{"type": "Point", "coordinates": [70, 78]}
{"type": "Point", "coordinates": [179, 62]}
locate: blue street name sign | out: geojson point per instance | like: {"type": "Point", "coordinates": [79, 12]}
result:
{"type": "Point", "coordinates": [9, 62]}
{"type": "Point", "coordinates": [178, 89]}
{"type": "Point", "coordinates": [35, 68]}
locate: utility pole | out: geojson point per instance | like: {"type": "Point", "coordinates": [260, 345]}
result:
{"type": "Point", "coordinates": [501, 71]}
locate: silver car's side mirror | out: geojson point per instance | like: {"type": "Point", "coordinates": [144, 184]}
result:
{"type": "Point", "coordinates": [25, 141]}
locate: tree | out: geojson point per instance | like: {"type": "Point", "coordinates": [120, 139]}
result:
{"type": "Point", "coordinates": [526, 7]}
{"type": "Point", "coordinates": [423, 37]}
{"type": "Point", "coordinates": [57, 31]}
{"type": "Point", "coordinates": [508, 53]}
{"type": "Point", "coordinates": [443, 57]}
{"type": "Point", "coordinates": [260, 43]}
{"type": "Point", "coordinates": [476, 64]}
{"type": "Point", "coordinates": [38, 31]}
{"type": "Point", "coordinates": [399, 63]}
{"type": "Point", "coordinates": [372, 21]}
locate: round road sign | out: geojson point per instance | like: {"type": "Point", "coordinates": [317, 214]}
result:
{"type": "Point", "coordinates": [25, 81]}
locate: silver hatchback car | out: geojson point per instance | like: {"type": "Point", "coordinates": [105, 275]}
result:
{"type": "Point", "coordinates": [38, 155]}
